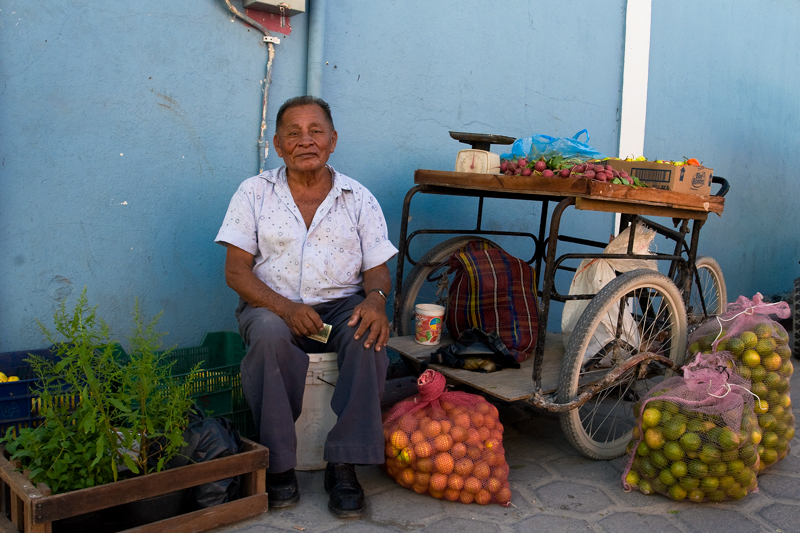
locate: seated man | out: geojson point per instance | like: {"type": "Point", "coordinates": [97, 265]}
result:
{"type": "Point", "coordinates": [307, 246]}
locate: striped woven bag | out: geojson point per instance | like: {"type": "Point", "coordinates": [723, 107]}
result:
{"type": "Point", "coordinates": [495, 292]}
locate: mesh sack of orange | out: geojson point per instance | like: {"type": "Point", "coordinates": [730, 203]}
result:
{"type": "Point", "coordinates": [447, 444]}
{"type": "Point", "coordinates": [760, 352]}
{"type": "Point", "coordinates": [696, 436]}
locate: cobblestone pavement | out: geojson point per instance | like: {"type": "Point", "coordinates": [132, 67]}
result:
{"type": "Point", "coordinates": [554, 489]}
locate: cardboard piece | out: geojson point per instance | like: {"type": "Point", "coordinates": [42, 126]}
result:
{"type": "Point", "coordinates": [680, 178]}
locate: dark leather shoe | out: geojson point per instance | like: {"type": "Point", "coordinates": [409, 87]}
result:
{"type": "Point", "coordinates": [347, 496]}
{"type": "Point", "coordinates": [282, 489]}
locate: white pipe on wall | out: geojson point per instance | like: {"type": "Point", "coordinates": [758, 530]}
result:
{"type": "Point", "coordinates": [635, 70]}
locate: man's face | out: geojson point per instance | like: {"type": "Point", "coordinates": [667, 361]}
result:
{"type": "Point", "coordinates": [305, 139]}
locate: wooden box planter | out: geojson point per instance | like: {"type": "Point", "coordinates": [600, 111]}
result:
{"type": "Point", "coordinates": [33, 510]}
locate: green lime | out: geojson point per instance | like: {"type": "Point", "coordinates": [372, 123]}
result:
{"type": "Point", "coordinates": [647, 469]}
{"type": "Point", "coordinates": [691, 441]}
{"type": "Point", "coordinates": [748, 338]}
{"type": "Point", "coordinates": [666, 477]}
{"type": "Point", "coordinates": [689, 482]}
{"type": "Point", "coordinates": [765, 347]}
{"type": "Point", "coordinates": [760, 389]}
{"type": "Point", "coordinates": [659, 459]}
{"type": "Point", "coordinates": [717, 469]}
{"type": "Point", "coordinates": [763, 330]}
{"type": "Point", "coordinates": [730, 455]}
{"type": "Point", "coordinates": [698, 468]}
{"type": "Point", "coordinates": [710, 454]}
{"type": "Point", "coordinates": [745, 477]}
{"type": "Point", "coordinates": [770, 439]}
{"type": "Point", "coordinates": [697, 495]}
{"type": "Point", "coordinates": [654, 438]}
{"type": "Point", "coordinates": [734, 467]}
{"type": "Point", "coordinates": [735, 346]}
{"type": "Point", "coordinates": [728, 439]}
{"type": "Point", "coordinates": [744, 371]}
{"type": "Point", "coordinates": [695, 425]}
{"type": "Point", "coordinates": [757, 372]}
{"type": "Point", "coordinates": [671, 407]}
{"type": "Point", "coordinates": [769, 456]}
{"type": "Point", "coordinates": [658, 485]}
{"type": "Point", "coordinates": [676, 492]}
{"type": "Point", "coordinates": [786, 369]}
{"type": "Point", "coordinates": [736, 491]}
{"type": "Point", "coordinates": [726, 482]}
{"type": "Point", "coordinates": [716, 495]}
{"type": "Point", "coordinates": [694, 348]}
{"type": "Point", "coordinates": [651, 417]}
{"type": "Point", "coordinates": [679, 469]}
{"type": "Point", "coordinates": [675, 428]}
{"type": "Point", "coordinates": [632, 478]}
{"type": "Point", "coordinates": [643, 449]}
{"type": "Point", "coordinates": [673, 450]}
{"type": "Point", "coordinates": [645, 487]}
{"type": "Point", "coordinates": [709, 483]}
{"type": "Point", "coordinates": [784, 351]}
{"type": "Point", "coordinates": [766, 421]}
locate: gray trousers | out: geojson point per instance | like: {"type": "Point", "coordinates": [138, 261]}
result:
{"type": "Point", "coordinates": [273, 381]}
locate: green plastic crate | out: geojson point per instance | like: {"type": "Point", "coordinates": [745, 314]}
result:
{"type": "Point", "coordinates": [218, 388]}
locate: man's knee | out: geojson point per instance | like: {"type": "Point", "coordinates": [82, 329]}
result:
{"type": "Point", "coordinates": [262, 325]}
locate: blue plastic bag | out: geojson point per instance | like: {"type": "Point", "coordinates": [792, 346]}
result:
{"type": "Point", "coordinates": [538, 146]}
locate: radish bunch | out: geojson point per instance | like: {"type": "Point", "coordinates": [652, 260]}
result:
{"type": "Point", "coordinates": [557, 166]}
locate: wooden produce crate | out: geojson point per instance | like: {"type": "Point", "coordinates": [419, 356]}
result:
{"type": "Point", "coordinates": [31, 509]}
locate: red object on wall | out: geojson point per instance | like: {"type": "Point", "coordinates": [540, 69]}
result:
{"type": "Point", "coordinates": [270, 21]}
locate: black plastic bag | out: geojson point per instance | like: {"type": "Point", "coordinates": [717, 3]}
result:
{"type": "Point", "coordinates": [476, 350]}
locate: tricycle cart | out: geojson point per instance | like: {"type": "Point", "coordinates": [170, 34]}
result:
{"type": "Point", "coordinates": [633, 332]}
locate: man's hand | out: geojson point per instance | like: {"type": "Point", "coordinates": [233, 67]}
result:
{"type": "Point", "coordinates": [372, 314]}
{"type": "Point", "coordinates": [301, 319]}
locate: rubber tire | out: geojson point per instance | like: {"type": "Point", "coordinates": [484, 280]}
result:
{"type": "Point", "coordinates": [635, 389]}
{"type": "Point", "coordinates": [417, 278]}
{"type": "Point", "coordinates": [796, 319]}
{"type": "Point", "coordinates": [709, 271]}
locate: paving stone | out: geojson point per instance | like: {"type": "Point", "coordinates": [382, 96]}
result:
{"type": "Point", "coordinates": [560, 524]}
{"type": "Point", "coordinates": [403, 507]}
{"type": "Point", "coordinates": [707, 518]}
{"type": "Point", "coordinates": [637, 523]}
{"type": "Point", "coordinates": [779, 486]}
{"type": "Point", "coordinates": [463, 524]}
{"type": "Point", "coordinates": [782, 516]}
{"type": "Point", "coordinates": [572, 496]}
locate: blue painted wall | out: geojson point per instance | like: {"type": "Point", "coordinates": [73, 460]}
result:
{"type": "Point", "coordinates": [126, 127]}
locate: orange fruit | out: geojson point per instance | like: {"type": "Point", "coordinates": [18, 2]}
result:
{"type": "Point", "coordinates": [503, 496]}
{"type": "Point", "coordinates": [475, 452]}
{"type": "Point", "coordinates": [458, 433]}
{"type": "Point", "coordinates": [408, 424]}
{"type": "Point", "coordinates": [751, 358]}
{"type": "Point", "coordinates": [455, 482]}
{"type": "Point", "coordinates": [492, 458]}
{"type": "Point", "coordinates": [420, 414]}
{"type": "Point", "coordinates": [419, 489]}
{"type": "Point", "coordinates": [432, 429]}
{"type": "Point", "coordinates": [438, 482]}
{"type": "Point", "coordinates": [417, 437]}
{"type": "Point", "coordinates": [422, 479]}
{"type": "Point", "coordinates": [399, 439]}
{"type": "Point", "coordinates": [423, 449]}
{"type": "Point", "coordinates": [483, 407]}
{"type": "Point", "coordinates": [458, 450]}
{"type": "Point", "coordinates": [390, 451]}
{"type": "Point", "coordinates": [438, 414]}
{"type": "Point", "coordinates": [462, 420]}
{"type": "Point", "coordinates": [501, 470]}
{"type": "Point", "coordinates": [489, 421]}
{"type": "Point", "coordinates": [484, 433]}
{"type": "Point", "coordinates": [446, 426]}
{"type": "Point", "coordinates": [497, 433]}
{"type": "Point", "coordinates": [466, 497]}
{"type": "Point", "coordinates": [492, 444]}
{"type": "Point", "coordinates": [472, 484]}
{"type": "Point", "coordinates": [393, 467]}
{"type": "Point", "coordinates": [406, 477]}
{"type": "Point", "coordinates": [452, 495]}
{"type": "Point", "coordinates": [425, 464]}
{"type": "Point", "coordinates": [438, 494]}
{"type": "Point", "coordinates": [447, 406]}
{"type": "Point", "coordinates": [442, 443]}
{"type": "Point", "coordinates": [493, 485]}
{"type": "Point", "coordinates": [772, 362]}
{"type": "Point", "coordinates": [483, 497]}
{"type": "Point", "coordinates": [463, 467]}
{"type": "Point", "coordinates": [476, 419]}
{"type": "Point", "coordinates": [473, 437]}
{"type": "Point", "coordinates": [481, 470]}
{"type": "Point", "coordinates": [444, 463]}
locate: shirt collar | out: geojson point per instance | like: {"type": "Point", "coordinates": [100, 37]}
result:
{"type": "Point", "coordinates": [339, 182]}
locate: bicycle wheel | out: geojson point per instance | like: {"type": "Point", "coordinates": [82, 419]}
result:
{"type": "Point", "coordinates": [417, 288]}
{"type": "Point", "coordinates": [796, 319]}
{"type": "Point", "coordinates": [712, 287]}
{"type": "Point", "coordinates": [654, 320]}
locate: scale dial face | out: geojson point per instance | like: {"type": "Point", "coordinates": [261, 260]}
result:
{"type": "Point", "coordinates": [478, 162]}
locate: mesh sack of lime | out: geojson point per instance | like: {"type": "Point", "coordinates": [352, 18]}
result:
{"type": "Point", "coordinates": [696, 436]}
{"type": "Point", "coordinates": [760, 352]}
{"type": "Point", "coordinates": [447, 444]}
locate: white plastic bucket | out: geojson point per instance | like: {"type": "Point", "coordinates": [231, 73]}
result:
{"type": "Point", "coordinates": [317, 418]}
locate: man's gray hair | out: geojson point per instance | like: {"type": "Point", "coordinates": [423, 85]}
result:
{"type": "Point", "coordinates": [298, 101]}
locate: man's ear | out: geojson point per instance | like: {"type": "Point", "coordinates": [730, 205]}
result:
{"type": "Point", "coordinates": [334, 138]}
{"type": "Point", "coordinates": [277, 145]}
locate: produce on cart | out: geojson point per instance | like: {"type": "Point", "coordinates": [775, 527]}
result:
{"type": "Point", "coordinates": [447, 444]}
{"type": "Point", "coordinates": [760, 353]}
{"type": "Point", "coordinates": [696, 436]}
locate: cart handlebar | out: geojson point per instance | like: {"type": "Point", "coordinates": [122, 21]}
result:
{"type": "Point", "coordinates": [719, 180]}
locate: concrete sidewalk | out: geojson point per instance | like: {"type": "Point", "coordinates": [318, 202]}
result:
{"type": "Point", "coordinates": [554, 489]}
